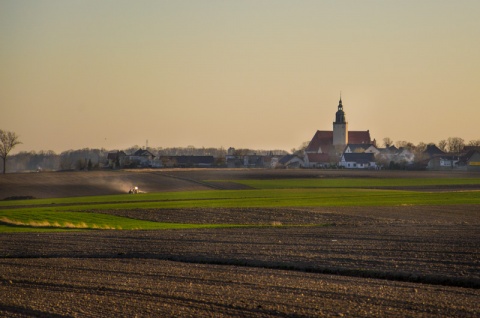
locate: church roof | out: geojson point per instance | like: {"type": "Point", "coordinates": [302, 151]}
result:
{"type": "Point", "coordinates": [323, 139]}
{"type": "Point", "coordinates": [359, 137]}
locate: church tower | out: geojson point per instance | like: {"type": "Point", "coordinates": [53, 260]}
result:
{"type": "Point", "coordinates": [340, 127]}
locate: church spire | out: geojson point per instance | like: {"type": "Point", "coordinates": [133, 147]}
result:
{"type": "Point", "coordinates": [340, 115]}
{"type": "Point", "coordinates": [340, 126]}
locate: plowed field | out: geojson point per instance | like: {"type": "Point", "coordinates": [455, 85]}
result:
{"type": "Point", "coordinates": [416, 261]}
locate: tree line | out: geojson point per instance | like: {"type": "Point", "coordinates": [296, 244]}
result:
{"type": "Point", "coordinates": [450, 145]}
{"type": "Point", "coordinates": [90, 159]}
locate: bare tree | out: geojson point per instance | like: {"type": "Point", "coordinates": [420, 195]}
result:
{"type": "Point", "coordinates": [455, 144]}
{"type": "Point", "coordinates": [442, 145]}
{"type": "Point", "coordinates": [419, 152]}
{"type": "Point", "coordinates": [421, 147]}
{"type": "Point", "coordinates": [404, 144]}
{"type": "Point", "coordinates": [8, 140]}
{"type": "Point", "coordinates": [387, 142]}
{"type": "Point", "coordinates": [301, 149]}
{"type": "Point", "coordinates": [474, 143]}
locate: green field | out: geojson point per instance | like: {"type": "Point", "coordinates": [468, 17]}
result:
{"type": "Point", "coordinates": [358, 183]}
{"type": "Point", "coordinates": [78, 213]}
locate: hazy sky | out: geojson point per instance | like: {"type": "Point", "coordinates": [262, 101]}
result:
{"type": "Point", "coordinates": [256, 74]}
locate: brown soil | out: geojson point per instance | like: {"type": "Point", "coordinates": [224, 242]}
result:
{"type": "Point", "coordinates": [398, 261]}
{"type": "Point", "coordinates": [66, 184]}
{"type": "Point", "coordinates": [416, 261]}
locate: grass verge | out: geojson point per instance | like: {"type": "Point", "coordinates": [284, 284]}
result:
{"type": "Point", "coordinates": [79, 212]}
{"type": "Point", "coordinates": [358, 183]}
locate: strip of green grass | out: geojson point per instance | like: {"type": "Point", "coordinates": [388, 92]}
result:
{"type": "Point", "coordinates": [365, 183]}
{"type": "Point", "coordinates": [33, 220]}
{"type": "Point", "coordinates": [357, 183]}
{"type": "Point", "coordinates": [66, 211]}
{"type": "Point", "coordinates": [266, 198]}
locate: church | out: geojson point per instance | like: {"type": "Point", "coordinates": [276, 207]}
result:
{"type": "Point", "coordinates": [328, 145]}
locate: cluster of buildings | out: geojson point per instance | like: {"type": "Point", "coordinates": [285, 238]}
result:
{"type": "Point", "coordinates": [337, 148]}
{"type": "Point", "coordinates": [143, 158]}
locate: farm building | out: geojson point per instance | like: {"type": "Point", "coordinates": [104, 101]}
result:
{"type": "Point", "coordinates": [469, 161]}
{"type": "Point", "coordinates": [291, 161]}
{"type": "Point", "coordinates": [188, 161]}
{"type": "Point", "coordinates": [317, 160]}
{"type": "Point", "coordinates": [443, 162]}
{"type": "Point", "coordinates": [116, 159]}
{"type": "Point", "coordinates": [140, 158]}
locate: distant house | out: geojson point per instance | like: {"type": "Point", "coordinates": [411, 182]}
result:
{"type": "Point", "coordinates": [358, 161]}
{"type": "Point", "coordinates": [432, 151]}
{"type": "Point", "coordinates": [471, 160]}
{"type": "Point", "coordinates": [468, 161]}
{"type": "Point", "coordinates": [234, 162]}
{"type": "Point", "coordinates": [317, 160]}
{"type": "Point", "coordinates": [443, 162]}
{"type": "Point", "coordinates": [141, 158]}
{"type": "Point", "coordinates": [291, 161]}
{"type": "Point", "coordinates": [188, 161]}
{"type": "Point", "coordinates": [253, 161]}
{"type": "Point", "coordinates": [468, 148]}
{"type": "Point", "coordinates": [360, 148]}
{"type": "Point", "coordinates": [116, 159]}
{"type": "Point", "coordinates": [271, 161]}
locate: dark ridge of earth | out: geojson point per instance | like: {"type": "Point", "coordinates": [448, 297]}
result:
{"type": "Point", "coordinates": [68, 184]}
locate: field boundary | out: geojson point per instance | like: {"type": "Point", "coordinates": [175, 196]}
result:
{"type": "Point", "coordinates": [400, 276]}
{"type": "Point", "coordinates": [468, 282]}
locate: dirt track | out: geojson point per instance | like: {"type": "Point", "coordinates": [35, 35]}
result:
{"type": "Point", "coordinates": [382, 261]}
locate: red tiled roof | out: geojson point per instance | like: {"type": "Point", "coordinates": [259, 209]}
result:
{"type": "Point", "coordinates": [359, 137]}
{"type": "Point", "coordinates": [318, 157]}
{"type": "Point", "coordinates": [324, 139]}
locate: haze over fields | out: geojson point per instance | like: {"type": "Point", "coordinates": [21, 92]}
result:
{"type": "Point", "coordinates": [254, 74]}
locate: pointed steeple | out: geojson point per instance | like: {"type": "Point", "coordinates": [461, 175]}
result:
{"type": "Point", "coordinates": [340, 115]}
{"type": "Point", "coordinates": [340, 127]}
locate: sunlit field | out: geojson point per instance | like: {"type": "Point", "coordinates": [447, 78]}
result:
{"type": "Point", "coordinates": [79, 213]}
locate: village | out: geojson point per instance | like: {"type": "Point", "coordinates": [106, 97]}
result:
{"type": "Point", "coordinates": [339, 148]}
{"type": "Point", "coordinates": [354, 156]}
{"type": "Point", "coordinates": [334, 149]}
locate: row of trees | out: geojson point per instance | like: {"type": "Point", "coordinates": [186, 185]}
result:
{"type": "Point", "coordinates": [452, 144]}
{"type": "Point", "coordinates": [88, 159]}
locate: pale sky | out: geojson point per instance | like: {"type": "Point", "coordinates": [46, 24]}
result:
{"type": "Point", "coordinates": [245, 74]}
